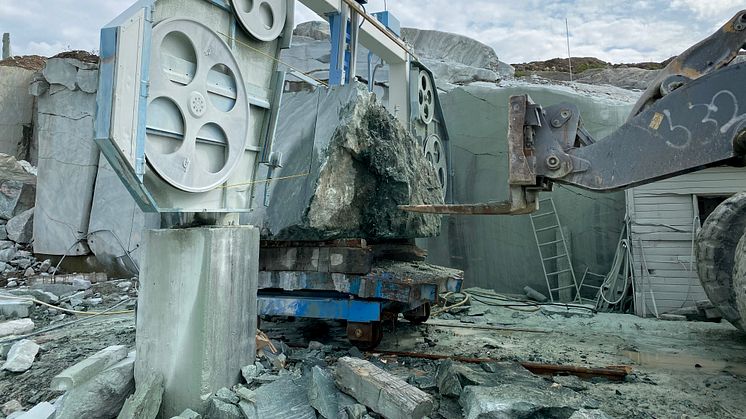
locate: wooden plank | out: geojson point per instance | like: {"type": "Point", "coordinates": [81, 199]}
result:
{"type": "Point", "coordinates": [384, 393]}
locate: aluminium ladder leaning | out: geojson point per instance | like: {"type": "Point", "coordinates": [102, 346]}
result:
{"type": "Point", "coordinates": [550, 240]}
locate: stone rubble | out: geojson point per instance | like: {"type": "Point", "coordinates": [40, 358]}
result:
{"type": "Point", "coordinates": [21, 356]}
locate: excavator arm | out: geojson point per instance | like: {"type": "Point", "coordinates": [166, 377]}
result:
{"type": "Point", "coordinates": [691, 117]}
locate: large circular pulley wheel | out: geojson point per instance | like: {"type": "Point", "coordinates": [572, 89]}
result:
{"type": "Point", "coordinates": [198, 110]}
{"type": "Point", "coordinates": [716, 255]}
{"type": "Point", "coordinates": [262, 19]}
{"type": "Point", "coordinates": [425, 98]}
{"type": "Point", "coordinates": [435, 154]}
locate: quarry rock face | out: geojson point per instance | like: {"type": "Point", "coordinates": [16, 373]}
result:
{"type": "Point", "coordinates": [355, 164]}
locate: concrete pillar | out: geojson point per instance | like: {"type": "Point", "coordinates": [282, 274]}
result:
{"type": "Point", "coordinates": [196, 315]}
{"type": "Point", "coordinates": [6, 45]}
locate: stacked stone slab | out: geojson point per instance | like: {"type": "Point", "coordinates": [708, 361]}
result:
{"type": "Point", "coordinates": [347, 166]}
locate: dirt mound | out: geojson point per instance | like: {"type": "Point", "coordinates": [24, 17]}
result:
{"type": "Point", "coordinates": [84, 56]}
{"type": "Point", "coordinates": [29, 62]}
{"type": "Point", "coordinates": [581, 64]}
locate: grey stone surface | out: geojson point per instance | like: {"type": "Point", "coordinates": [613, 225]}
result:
{"type": "Point", "coordinates": [457, 73]}
{"type": "Point", "coordinates": [286, 398]}
{"type": "Point", "coordinates": [20, 228]}
{"type": "Point", "coordinates": [190, 414]}
{"type": "Point", "coordinates": [87, 80]}
{"type": "Point", "coordinates": [360, 165]}
{"type": "Point", "coordinates": [43, 410]}
{"type": "Point", "coordinates": [17, 187]}
{"type": "Point", "coordinates": [60, 71]}
{"type": "Point", "coordinates": [249, 372]}
{"type": "Point", "coordinates": [218, 409]}
{"type": "Point", "coordinates": [450, 47]}
{"type": "Point", "coordinates": [16, 111]}
{"type": "Point", "coordinates": [7, 254]}
{"type": "Point", "coordinates": [381, 391]}
{"type": "Point", "coordinates": [103, 395]}
{"type": "Point", "coordinates": [511, 401]}
{"type": "Point", "coordinates": [16, 327]}
{"type": "Point", "coordinates": [68, 163]}
{"type": "Point", "coordinates": [21, 356]}
{"type": "Point", "coordinates": [196, 316]}
{"type": "Point", "coordinates": [626, 78]}
{"type": "Point", "coordinates": [15, 308]}
{"type": "Point", "coordinates": [11, 406]}
{"type": "Point", "coordinates": [318, 30]}
{"type": "Point", "coordinates": [84, 370]}
{"type": "Point", "coordinates": [226, 395]}
{"type": "Point", "coordinates": [477, 123]}
{"type": "Point", "coordinates": [323, 394]}
{"type": "Point", "coordinates": [146, 401]}
{"type": "Point", "coordinates": [116, 224]}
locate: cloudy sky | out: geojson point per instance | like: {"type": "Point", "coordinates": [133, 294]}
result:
{"type": "Point", "coordinates": [519, 30]}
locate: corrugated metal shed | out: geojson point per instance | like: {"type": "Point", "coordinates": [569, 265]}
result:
{"type": "Point", "coordinates": [664, 217]}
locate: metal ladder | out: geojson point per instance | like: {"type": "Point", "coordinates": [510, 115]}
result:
{"type": "Point", "coordinates": [550, 240]}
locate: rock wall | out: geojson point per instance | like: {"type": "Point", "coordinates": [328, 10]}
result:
{"type": "Point", "coordinates": [348, 165]}
{"type": "Point", "coordinates": [499, 252]}
{"type": "Point", "coordinates": [16, 111]}
{"type": "Point", "coordinates": [68, 157]}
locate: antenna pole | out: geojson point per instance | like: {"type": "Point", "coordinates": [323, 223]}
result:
{"type": "Point", "coordinates": [569, 60]}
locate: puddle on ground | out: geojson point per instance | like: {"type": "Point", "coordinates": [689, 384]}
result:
{"type": "Point", "coordinates": [685, 362]}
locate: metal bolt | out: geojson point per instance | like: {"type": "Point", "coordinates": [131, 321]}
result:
{"type": "Point", "coordinates": [565, 113]}
{"type": "Point", "coordinates": [358, 333]}
{"type": "Point", "coordinates": [553, 162]}
{"type": "Point", "coordinates": [556, 123]}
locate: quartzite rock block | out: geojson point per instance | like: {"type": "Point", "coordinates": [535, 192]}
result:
{"type": "Point", "coordinates": [351, 165]}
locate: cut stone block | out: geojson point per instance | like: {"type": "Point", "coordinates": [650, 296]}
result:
{"type": "Point", "coordinates": [84, 370]}
{"type": "Point", "coordinates": [508, 401]}
{"type": "Point", "coordinates": [21, 356]}
{"type": "Point", "coordinates": [20, 228]}
{"type": "Point", "coordinates": [353, 164]}
{"type": "Point", "coordinates": [16, 111]}
{"type": "Point", "coordinates": [196, 317]}
{"type": "Point", "coordinates": [146, 401]}
{"type": "Point", "coordinates": [102, 396]}
{"type": "Point", "coordinates": [15, 308]}
{"type": "Point", "coordinates": [16, 327]}
{"type": "Point", "coordinates": [43, 410]}
{"type": "Point", "coordinates": [386, 394]}
{"type": "Point", "coordinates": [60, 71]}
{"type": "Point", "coordinates": [68, 163]}
{"type": "Point", "coordinates": [113, 241]}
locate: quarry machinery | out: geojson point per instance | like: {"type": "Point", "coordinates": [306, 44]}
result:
{"type": "Point", "coordinates": [692, 116]}
{"type": "Point", "coordinates": [189, 101]}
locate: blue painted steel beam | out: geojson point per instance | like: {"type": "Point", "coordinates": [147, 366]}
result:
{"type": "Point", "coordinates": [320, 308]}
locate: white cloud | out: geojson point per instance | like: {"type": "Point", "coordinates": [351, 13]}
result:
{"type": "Point", "coordinates": [635, 30]}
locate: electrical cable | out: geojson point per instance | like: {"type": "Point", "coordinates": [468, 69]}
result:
{"type": "Point", "coordinates": [80, 320]}
{"type": "Point", "coordinates": [66, 310]}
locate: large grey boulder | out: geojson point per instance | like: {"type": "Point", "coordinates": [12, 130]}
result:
{"type": "Point", "coordinates": [317, 29]}
{"type": "Point", "coordinates": [348, 166]}
{"type": "Point", "coordinates": [102, 396]}
{"type": "Point", "coordinates": [451, 47]}
{"type": "Point", "coordinates": [454, 59]}
{"type": "Point", "coordinates": [20, 228]}
{"type": "Point", "coordinates": [21, 356]}
{"type": "Point", "coordinates": [17, 187]}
